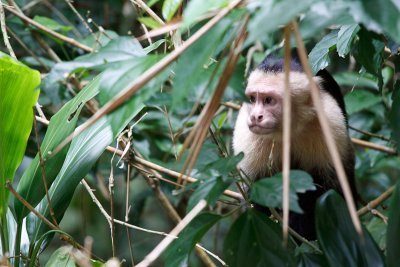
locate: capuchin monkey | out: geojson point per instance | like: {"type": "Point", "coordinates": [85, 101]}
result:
{"type": "Point", "coordinates": [259, 129]}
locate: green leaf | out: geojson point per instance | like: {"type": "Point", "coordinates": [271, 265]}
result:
{"type": "Point", "coordinates": [273, 14]}
{"type": "Point", "coordinates": [169, 8]}
{"type": "Point", "coordinates": [358, 100]}
{"type": "Point", "coordinates": [319, 55]}
{"type": "Point", "coordinates": [154, 46]}
{"type": "Point", "coordinates": [191, 64]}
{"type": "Point", "coordinates": [394, 114]}
{"type": "Point", "coordinates": [87, 147]}
{"type": "Point", "coordinates": [52, 24]}
{"type": "Point", "coordinates": [254, 240]}
{"type": "Point", "coordinates": [268, 191]}
{"type": "Point", "coordinates": [150, 22]}
{"type": "Point", "coordinates": [62, 257]}
{"type": "Point", "coordinates": [210, 190]}
{"type": "Point", "coordinates": [354, 79]}
{"type": "Point", "coordinates": [63, 123]}
{"type": "Point", "coordinates": [345, 38]}
{"type": "Point", "coordinates": [383, 15]}
{"type": "Point", "coordinates": [178, 252]}
{"type": "Point", "coordinates": [338, 238]}
{"type": "Point", "coordinates": [393, 230]}
{"type": "Point", "coordinates": [120, 49]}
{"type": "Point", "coordinates": [198, 8]}
{"type": "Point", "coordinates": [18, 96]}
{"type": "Point", "coordinates": [369, 51]}
{"type": "Point", "coordinates": [311, 260]}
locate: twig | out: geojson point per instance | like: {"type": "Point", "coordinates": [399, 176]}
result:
{"type": "Point", "coordinates": [39, 26]}
{"type": "Point", "coordinates": [374, 146]}
{"type": "Point", "coordinates": [333, 151]}
{"type": "Point", "coordinates": [148, 10]}
{"type": "Point", "coordinates": [294, 233]}
{"type": "Point", "coordinates": [138, 83]}
{"type": "Point", "coordinates": [153, 255]}
{"type": "Point", "coordinates": [4, 30]}
{"type": "Point", "coordinates": [370, 134]}
{"type": "Point", "coordinates": [286, 137]}
{"type": "Point", "coordinates": [376, 202]}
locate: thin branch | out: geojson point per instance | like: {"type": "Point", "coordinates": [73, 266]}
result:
{"type": "Point", "coordinates": [4, 30]}
{"type": "Point", "coordinates": [148, 10]}
{"type": "Point", "coordinates": [138, 83]}
{"type": "Point", "coordinates": [39, 26]}
{"type": "Point", "coordinates": [153, 255]}
{"type": "Point", "coordinates": [370, 134]}
{"type": "Point", "coordinates": [333, 151]}
{"type": "Point", "coordinates": [376, 202]}
{"type": "Point", "coordinates": [287, 111]}
{"type": "Point", "coordinates": [374, 146]}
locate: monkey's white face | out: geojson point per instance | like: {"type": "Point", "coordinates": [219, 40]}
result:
{"type": "Point", "coordinates": [265, 108]}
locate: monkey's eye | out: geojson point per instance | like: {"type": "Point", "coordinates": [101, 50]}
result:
{"type": "Point", "coordinates": [268, 100]}
{"type": "Point", "coordinates": [252, 99]}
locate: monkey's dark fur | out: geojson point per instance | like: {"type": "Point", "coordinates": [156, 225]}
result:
{"type": "Point", "coordinates": [258, 133]}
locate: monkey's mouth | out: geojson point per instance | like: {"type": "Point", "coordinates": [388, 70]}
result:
{"type": "Point", "coordinates": [258, 129]}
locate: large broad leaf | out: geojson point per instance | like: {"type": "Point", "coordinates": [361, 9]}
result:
{"type": "Point", "coordinates": [273, 14]}
{"type": "Point", "coordinates": [395, 113]}
{"type": "Point", "coordinates": [359, 100]}
{"type": "Point", "coordinates": [198, 8]}
{"type": "Point", "coordinates": [63, 123]}
{"type": "Point", "coordinates": [178, 252]}
{"type": "Point", "coordinates": [119, 49]}
{"type": "Point", "coordinates": [319, 55]}
{"type": "Point", "coordinates": [383, 15]}
{"type": "Point", "coordinates": [393, 230]}
{"type": "Point", "coordinates": [369, 51]}
{"type": "Point", "coordinates": [190, 68]}
{"type": "Point", "coordinates": [338, 237]}
{"type": "Point", "coordinates": [87, 147]}
{"type": "Point", "coordinates": [18, 95]}
{"type": "Point", "coordinates": [311, 260]}
{"type": "Point", "coordinates": [62, 257]}
{"type": "Point", "coordinates": [345, 37]}
{"type": "Point", "coordinates": [254, 240]}
{"type": "Point", "coordinates": [268, 192]}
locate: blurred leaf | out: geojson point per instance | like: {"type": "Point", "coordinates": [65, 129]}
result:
{"type": "Point", "coordinates": [30, 187]}
{"type": "Point", "coordinates": [120, 49]}
{"type": "Point", "coordinates": [354, 79]}
{"type": "Point", "coordinates": [385, 14]}
{"type": "Point", "coordinates": [268, 191]}
{"type": "Point", "coordinates": [322, 15]}
{"type": "Point", "coordinates": [345, 38]}
{"type": "Point", "coordinates": [319, 55]}
{"type": "Point", "coordinates": [62, 257]}
{"type": "Point", "coordinates": [198, 8]}
{"type": "Point", "coordinates": [100, 38]}
{"type": "Point", "coordinates": [393, 230]}
{"type": "Point", "coordinates": [154, 46]}
{"type": "Point", "coordinates": [338, 238]}
{"type": "Point", "coordinates": [150, 22]}
{"type": "Point", "coordinates": [178, 252]}
{"type": "Point", "coordinates": [191, 64]}
{"type": "Point", "coordinates": [378, 230]}
{"type": "Point", "coordinates": [18, 96]}
{"type": "Point", "coordinates": [311, 260]}
{"type": "Point", "coordinates": [394, 114]}
{"type": "Point", "coordinates": [210, 190]}
{"type": "Point", "coordinates": [169, 8]}
{"type": "Point", "coordinates": [254, 240]}
{"type": "Point", "coordinates": [368, 51]}
{"type": "Point", "coordinates": [273, 14]}
{"type": "Point", "coordinates": [358, 100]}
{"type": "Point", "coordinates": [52, 24]}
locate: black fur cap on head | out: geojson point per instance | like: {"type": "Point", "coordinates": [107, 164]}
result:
{"type": "Point", "coordinates": [275, 64]}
